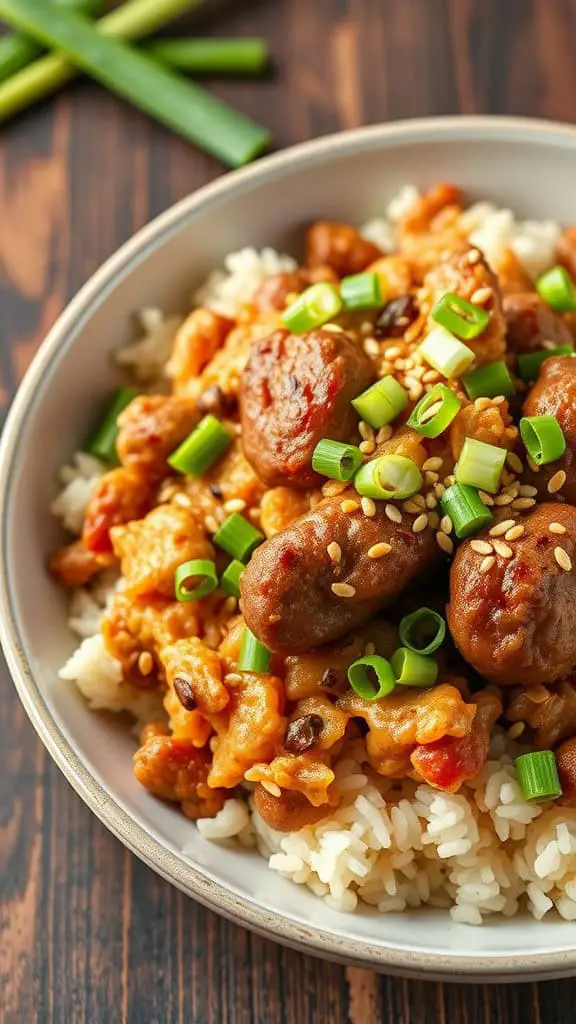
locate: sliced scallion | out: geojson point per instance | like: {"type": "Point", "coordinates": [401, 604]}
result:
{"type": "Point", "coordinates": [529, 363]}
{"type": "Point", "coordinates": [254, 656]}
{"type": "Point", "coordinates": [435, 411]}
{"type": "Point", "coordinates": [423, 631]}
{"type": "Point", "coordinates": [230, 578]}
{"type": "Point", "coordinates": [207, 442]}
{"type": "Point", "coordinates": [543, 438]}
{"type": "Point", "coordinates": [389, 476]}
{"type": "Point", "coordinates": [459, 316]}
{"type": "Point", "coordinates": [382, 402]}
{"type": "Point", "coordinates": [480, 465]}
{"type": "Point", "coordinates": [238, 537]}
{"type": "Point", "coordinates": [316, 306]}
{"type": "Point", "coordinates": [466, 509]}
{"type": "Point", "coordinates": [361, 291]}
{"type": "Point", "coordinates": [446, 353]}
{"type": "Point", "coordinates": [336, 460]}
{"type": "Point", "coordinates": [103, 445]}
{"type": "Point", "coordinates": [538, 775]}
{"type": "Point", "coordinates": [557, 288]}
{"type": "Point", "coordinates": [195, 579]}
{"type": "Point", "coordinates": [371, 677]}
{"type": "Point", "coordinates": [489, 381]}
{"type": "Point", "coordinates": [413, 669]}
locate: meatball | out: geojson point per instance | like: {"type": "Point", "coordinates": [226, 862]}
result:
{"type": "Point", "coordinates": [151, 428]}
{"type": "Point", "coordinates": [516, 622]}
{"type": "Point", "coordinates": [297, 389]}
{"type": "Point", "coordinates": [288, 812]}
{"type": "Point", "coordinates": [287, 587]}
{"type": "Point", "coordinates": [554, 394]}
{"type": "Point", "coordinates": [340, 247]}
{"type": "Point", "coordinates": [530, 322]}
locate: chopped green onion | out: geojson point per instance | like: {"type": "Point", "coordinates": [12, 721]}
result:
{"type": "Point", "coordinates": [435, 411]}
{"type": "Point", "coordinates": [254, 656]}
{"type": "Point", "coordinates": [538, 775]}
{"type": "Point", "coordinates": [529, 363]}
{"type": "Point", "coordinates": [361, 677]}
{"type": "Point", "coordinates": [17, 51]}
{"type": "Point", "coordinates": [423, 631]}
{"type": "Point", "coordinates": [480, 465]}
{"type": "Point", "coordinates": [389, 476]}
{"type": "Point", "coordinates": [446, 353]}
{"type": "Point", "coordinates": [207, 442]}
{"type": "Point", "coordinates": [466, 510]}
{"type": "Point", "coordinates": [197, 569]}
{"type": "Point", "coordinates": [336, 460]}
{"type": "Point", "coordinates": [557, 288]}
{"type": "Point", "coordinates": [103, 446]}
{"type": "Point", "coordinates": [212, 56]}
{"type": "Point", "coordinates": [413, 669]}
{"type": "Point", "coordinates": [543, 438]}
{"type": "Point", "coordinates": [195, 114]}
{"type": "Point", "coordinates": [316, 306]}
{"type": "Point", "coordinates": [238, 537]}
{"type": "Point", "coordinates": [382, 402]}
{"type": "Point", "coordinates": [361, 291]}
{"type": "Point", "coordinates": [489, 381]}
{"type": "Point", "coordinates": [230, 578]}
{"type": "Point", "coordinates": [463, 318]}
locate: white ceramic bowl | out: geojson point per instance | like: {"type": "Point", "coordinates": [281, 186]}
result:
{"type": "Point", "coordinates": [527, 165]}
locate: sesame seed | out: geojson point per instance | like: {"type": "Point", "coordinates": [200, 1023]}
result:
{"type": "Point", "coordinates": [533, 465]}
{"type": "Point", "coordinates": [501, 528]}
{"type": "Point", "coordinates": [449, 480]}
{"type": "Point", "coordinates": [385, 367]}
{"type": "Point", "coordinates": [232, 677]}
{"type": "Point", "coordinates": [334, 551]}
{"type": "Point", "coordinates": [431, 377]}
{"type": "Point", "coordinates": [486, 499]}
{"type": "Point", "coordinates": [446, 524]}
{"type": "Point", "coordinates": [481, 295]}
{"type": "Point", "coordinates": [235, 505]}
{"type": "Point", "coordinates": [513, 489]}
{"type": "Point", "coordinates": [514, 462]}
{"type": "Point", "coordinates": [516, 730]}
{"type": "Point", "coordinates": [481, 547]}
{"type": "Point", "coordinates": [379, 550]}
{"type": "Point", "coordinates": [399, 364]}
{"type": "Point", "coordinates": [523, 503]}
{"type": "Point", "coordinates": [507, 478]}
{"type": "Point", "coordinates": [429, 413]}
{"type": "Point", "coordinates": [343, 590]}
{"type": "Point", "coordinates": [183, 500]}
{"type": "Point", "coordinates": [549, 345]}
{"type": "Point", "coordinates": [230, 604]}
{"type": "Point", "coordinates": [368, 507]}
{"type": "Point", "coordinates": [433, 520]}
{"type": "Point", "coordinates": [145, 663]}
{"type": "Point", "coordinates": [473, 256]}
{"type": "Point", "coordinates": [502, 549]}
{"type": "Point", "coordinates": [393, 512]}
{"type": "Point", "coordinates": [315, 499]}
{"type": "Point", "coordinates": [410, 506]}
{"type": "Point", "coordinates": [487, 564]}
{"type": "Point", "coordinates": [419, 500]}
{"type": "Point", "coordinates": [371, 347]}
{"type": "Point", "coordinates": [431, 477]}
{"type": "Point", "coordinates": [394, 351]}
{"type": "Point", "coordinates": [366, 431]}
{"type": "Point", "coordinates": [439, 490]}
{"type": "Point", "coordinates": [369, 649]}
{"type": "Point", "coordinates": [384, 434]}
{"type": "Point", "coordinates": [334, 487]}
{"type": "Point", "coordinates": [514, 533]}
{"type": "Point", "coordinates": [334, 328]}
{"type": "Point", "coordinates": [431, 501]}
{"type": "Point", "coordinates": [499, 400]}
{"type": "Point", "coordinates": [557, 481]}
{"type": "Point", "coordinates": [420, 523]}
{"type": "Point", "coordinates": [434, 463]}
{"type": "Point", "coordinates": [211, 524]}
{"type": "Point", "coordinates": [563, 559]}
{"type": "Point", "coordinates": [272, 787]}
{"type": "Point", "coordinates": [502, 499]}
{"type": "Point", "coordinates": [367, 447]}
{"type": "Point", "coordinates": [482, 403]}
{"type": "Point", "coordinates": [527, 491]}
{"type": "Point", "coordinates": [557, 528]}
{"type": "Point", "coordinates": [349, 505]}
{"type": "Point", "coordinates": [444, 542]}
{"type": "Point", "coordinates": [412, 332]}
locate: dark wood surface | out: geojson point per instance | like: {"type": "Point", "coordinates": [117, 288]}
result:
{"type": "Point", "coordinates": [87, 933]}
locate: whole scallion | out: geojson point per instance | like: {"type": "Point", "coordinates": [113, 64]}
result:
{"type": "Point", "coordinates": [212, 56]}
{"type": "Point", "coordinates": [17, 50]}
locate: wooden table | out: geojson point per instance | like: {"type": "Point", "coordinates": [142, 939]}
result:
{"type": "Point", "coordinates": [87, 933]}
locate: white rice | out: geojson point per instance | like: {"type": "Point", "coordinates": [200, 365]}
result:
{"type": "Point", "coordinates": [389, 844]}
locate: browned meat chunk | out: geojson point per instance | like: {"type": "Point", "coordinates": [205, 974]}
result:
{"type": "Point", "coordinates": [421, 215]}
{"type": "Point", "coordinates": [119, 496]}
{"type": "Point", "coordinates": [288, 812]}
{"type": "Point", "coordinates": [74, 565]}
{"type": "Point", "coordinates": [339, 246]}
{"type": "Point", "coordinates": [566, 764]}
{"type": "Point", "coordinates": [274, 292]}
{"type": "Point", "coordinates": [195, 673]}
{"type": "Point", "coordinates": [491, 424]}
{"type": "Point", "coordinates": [297, 389]}
{"type": "Point", "coordinates": [196, 342]}
{"type": "Point", "coordinates": [566, 250]}
{"type": "Point", "coordinates": [151, 428]}
{"type": "Point", "coordinates": [448, 762]}
{"type": "Point", "coordinates": [287, 588]}
{"type": "Point", "coordinates": [549, 711]}
{"type": "Point", "coordinates": [174, 769]}
{"type": "Point", "coordinates": [255, 728]}
{"type": "Point", "coordinates": [516, 623]}
{"type": "Point", "coordinates": [530, 322]}
{"type": "Point", "coordinates": [554, 394]}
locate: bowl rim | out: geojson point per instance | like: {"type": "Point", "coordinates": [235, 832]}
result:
{"type": "Point", "coordinates": [188, 877]}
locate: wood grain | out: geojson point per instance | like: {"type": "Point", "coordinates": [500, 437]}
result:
{"type": "Point", "coordinates": [87, 933]}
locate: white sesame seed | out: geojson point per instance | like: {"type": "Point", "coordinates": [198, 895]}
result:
{"type": "Point", "coordinates": [379, 550]}
{"type": "Point", "coordinates": [446, 524]}
{"type": "Point", "coordinates": [473, 256]}
{"type": "Point", "coordinates": [230, 604]}
{"type": "Point", "coordinates": [487, 564]}
{"type": "Point", "coordinates": [334, 551]}
{"type": "Point", "coordinates": [272, 787]}
{"type": "Point", "coordinates": [368, 507]}
{"type": "Point", "coordinates": [366, 431]}
{"type": "Point", "coordinates": [482, 403]}
{"type": "Point", "coordinates": [486, 499]}
{"type": "Point", "coordinates": [481, 295]}
{"type": "Point", "coordinates": [430, 412]}
{"type": "Point", "coordinates": [371, 347]}
{"type": "Point", "coordinates": [449, 480]}
{"type": "Point", "coordinates": [434, 463]}
{"type": "Point", "coordinates": [500, 529]}
{"type": "Point", "coordinates": [384, 434]}
{"type": "Point", "coordinates": [334, 487]}
{"type": "Point", "coordinates": [210, 524]}
{"type": "Point", "coordinates": [343, 590]}
{"type": "Point", "coordinates": [433, 520]}
{"type": "Point", "coordinates": [563, 559]}
{"type": "Point", "coordinates": [419, 500]}
{"type": "Point", "coordinates": [499, 400]}
{"type": "Point", "coordinates": [420, 523]}
{"type": "Point", "coordinates": [533, 465]}
{"type": "Point", "coordinates": [514, 462]}
{"type": "Point", "coordinates": [394, 351]}
{"type": "Point", "coordinates": [481, 547]}
{"type": "Point", "coordinates": [557, 481]}
{"type": "Point", "coordinates": [513, 489]}
{"type": "Point", "coordinates": [430, 477]}
{"type": "Point", "coordinates": [557, 528]}
{"type": "Point", "coordinates": [516, 730]}
{"type": "Point", "coordinates": [232, 677]}
{"type": "Point", "coordinates": [367, 447]}
{"type": "Point", "coordinates": [523, 503]}
{"type": "Point", "coordinates": [393, 512]}
{"type": "Point", "coordinates": [235, 505]}
{"type": "Point", "coordinates": [369, 649]}
{"type": "Point", "coordinates": [514, 533]}
{"type": "Point", "coordinates": [183, 500]}
{"type": "Point", "coordinates": [412, 332]}
{"type": "Point", "coordinates": [503, 499]}
{"type": "Point", "coordinates": [431, 377]}
{"type": "Point", "coordinates": [439, 490]}
{"type": "Point", "coordinates": [334, 328]}
{"type": "Point", "coordinates": [444, 542]}
{"type": "Point", "coordinates": [527, 491]}
{"type": "Point", "coordinates": [349, 505]}
{"type": "Point", "coordinates": [431, 500]}
{"type": "Point", "coordinates": [145, 663]}
{"type": "Point", "coordinates": [502, 549]}
{"type": "Point", "coordinates": [549, 345]}
{"type": "Point", "coordinates": [410, 506]}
